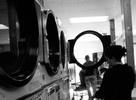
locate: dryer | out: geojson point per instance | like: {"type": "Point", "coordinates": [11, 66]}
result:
{"type": "Point", "coordinates": [50, 58]}
{"type": "Point", "coordinates": [48, 75]}
{"type": "Point", "coordinates": [31, 53]}
{"type": "Point", "coordinates": [64, 54]}
{"type": "Point", "coordinates": [50, 47]}
{"type": "Point", "coordinates": [19, 45]}
{"type": "Point", "coordinates": [64, 87]}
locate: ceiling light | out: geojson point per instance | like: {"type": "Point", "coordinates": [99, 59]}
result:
{"type": "Point", "coordinates": [2, 26]}
{"type": "Point", "coordinates": [88, 19]}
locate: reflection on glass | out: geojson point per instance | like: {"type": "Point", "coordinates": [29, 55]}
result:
{"type": "Point", "coordinates": [4, 31]}
{"type": "Point", "coordinates": [7, 54]}
{"type": "Point", "coordinates": [87, 44]}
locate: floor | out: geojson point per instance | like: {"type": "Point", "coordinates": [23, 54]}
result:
{"type": "Point", "coordinates": [82, 95]}
{"type": "Point", "coordinates": [76, 95]}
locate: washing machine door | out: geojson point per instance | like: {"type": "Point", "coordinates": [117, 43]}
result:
{"type": "Point", "coordinates": [51, 45]}
{"type": "Point", "coordinates": [89, 43]}
{"type": "Point", "coordinates": [18, 42]}
{"type": "Point", "coordinates": [63, 54]}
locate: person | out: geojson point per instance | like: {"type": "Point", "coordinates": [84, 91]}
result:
{"type": "Point", "coordinates": [118, 80]}
{"type": "Point", "coordinates": [88, 77]}
{"type": "Point", "coordinates": [82, 73]}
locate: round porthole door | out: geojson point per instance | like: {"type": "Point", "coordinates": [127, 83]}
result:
{"type": "Point", "coordinates": [18, 42]}
{"type": "Point", "coordinates": [88, 43]}
{"type": "Point", "coordinates": [63, 46]}
{"type": "Point", "coordinates": [51, 45]}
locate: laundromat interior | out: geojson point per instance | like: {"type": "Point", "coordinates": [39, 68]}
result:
{"type": "Point", "coordinates": [43, 44]}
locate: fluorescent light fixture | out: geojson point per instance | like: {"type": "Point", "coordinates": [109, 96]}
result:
{"type": "Point", "coordinates": [88, 19]}
{"type": "Point", "coordinates": [2, 26]}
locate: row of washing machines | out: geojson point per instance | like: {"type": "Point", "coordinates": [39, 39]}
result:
{"type": "Point", "coordinates": [33, 53]}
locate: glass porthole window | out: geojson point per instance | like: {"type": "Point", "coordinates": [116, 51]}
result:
{"type": "Point", "coordinates": [51, 44]}
{"type": "Point", "coordinates": [18, 41]}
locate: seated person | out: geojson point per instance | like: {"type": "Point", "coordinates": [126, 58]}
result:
{"type": "Point", "coordinates": [90, 77]}
{"type": "Point", "coordinates": [85, 74]}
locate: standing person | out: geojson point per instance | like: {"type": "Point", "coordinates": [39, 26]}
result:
{"type": "Point", "coordinates": [118, 80]}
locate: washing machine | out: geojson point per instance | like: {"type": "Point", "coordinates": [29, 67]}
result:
{"type": "Point", "coordinates": [52, 59]}
{"type": "Point", "coordinates": [33, 59]}
{"type": "Point", "coordinates": [63, 49]}
{"type": "Point", "coordinates": [49, 76]}
{"type": "Point", "coordinates": [64, 86]}
{"type": "Point", "coordinates": [64, 54]}
{"type": "Point", "coordinates": [19, 49]}
{"type": "Point", "coordinates": [48, 61]}
{"type": "Point", "coordinates": [50, 47]}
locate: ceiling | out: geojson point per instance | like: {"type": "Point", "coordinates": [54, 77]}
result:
{"type": "Point", "coordinates": [65, 9]}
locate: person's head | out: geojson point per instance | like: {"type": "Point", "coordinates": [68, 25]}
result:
{"type": "Point", "coordinates": [114, 53]}
{"type": "Point", "coordinates": [87, 58]}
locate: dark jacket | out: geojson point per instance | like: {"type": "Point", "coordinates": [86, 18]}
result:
{"type": "Point", "coordinates": [89, 70]}
{"type": "Point", "coordinates": [117, 83]}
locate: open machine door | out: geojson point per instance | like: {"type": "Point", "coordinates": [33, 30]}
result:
{"type": "Point", "coordinates": [18, 42]}
{"type": "Point", "coordinates": [88, 43]}
{"type": "Point", "coordinates": [64, 52]}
